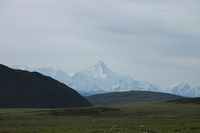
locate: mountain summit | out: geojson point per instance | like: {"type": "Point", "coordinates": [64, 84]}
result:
{"type": "Point", "coordinates": [101, 66]}
{"type": "Point", "coordinates": [100, 79]}
{"type": "Point", "coordinates": [100, 70]}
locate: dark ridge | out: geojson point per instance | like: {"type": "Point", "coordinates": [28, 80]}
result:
{"type": "Point", "coordinates": [23, 89]}
{"type": "Point", "coordinates": [187, 100]}
{"type": "Point", "coordinates": [129, 97]}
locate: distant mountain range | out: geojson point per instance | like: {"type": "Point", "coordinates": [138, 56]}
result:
{"type": "Point", "coordinates": [185, 90]}
{"type": "Point", "coordinates": [100, 79]}
{"type": "Point", "coordinates": [130, 97]}
{"type": "Point", "coordinates": [24, 89]}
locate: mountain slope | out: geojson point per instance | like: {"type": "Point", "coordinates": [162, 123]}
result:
{"type": "Point", "coordinates": [187, 100]}
{"type": "Point", "coordinates": [56, 74]}
{"type": "Point", "coordinates": [20, 88]}
{"type": "Point", "coordinates": [122, 98]}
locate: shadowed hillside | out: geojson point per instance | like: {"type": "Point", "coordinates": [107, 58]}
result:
{"type": "Point", "coordinates": [120, 98]}
{"type": "Point", "coordinates": [188, 100]}
{"type": "Point", "coordinates": [23, 89]}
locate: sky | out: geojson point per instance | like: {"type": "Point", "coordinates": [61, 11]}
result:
{"type": "Point", "coordinates": [151, 40]}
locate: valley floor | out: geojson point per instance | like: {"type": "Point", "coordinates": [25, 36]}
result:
{"type": "Point", "coordinates": [137, 118]}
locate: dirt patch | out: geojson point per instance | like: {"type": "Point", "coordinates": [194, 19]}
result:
{"type": "Point", "coordinates": [83, 111]}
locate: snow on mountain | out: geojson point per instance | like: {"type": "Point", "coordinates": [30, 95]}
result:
{"type": "Point", "coordinates": [100, 79]}
{"type": "Point", "coordinates": [21, 67]}
{"type": "Point", "coordinates": [100, 70]}
{"type": "Point", "coordinates": [185, 90]}
{"type": "Point", "coordinates": [56, 74]}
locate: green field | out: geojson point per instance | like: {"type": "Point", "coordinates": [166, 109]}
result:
{"type": "Point", "coordinates": [137, 118]}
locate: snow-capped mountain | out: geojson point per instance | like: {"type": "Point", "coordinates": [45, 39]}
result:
{"type": "Point", "coordinates": [100, 79]}
{"type": "Point", "coordinates": [185, 90]}
{"type": "Point", "coordinates": [56, 74]}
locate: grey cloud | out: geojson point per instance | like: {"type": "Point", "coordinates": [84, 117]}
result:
{"type": "Point", "coordinates": [134, 37]}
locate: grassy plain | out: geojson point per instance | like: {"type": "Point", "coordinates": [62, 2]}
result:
{"type": "Point", "coordinates": [136, 118]}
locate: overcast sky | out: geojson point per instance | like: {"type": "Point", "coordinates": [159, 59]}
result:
{"type": "Point", "coordinates": [151, 40]}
